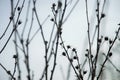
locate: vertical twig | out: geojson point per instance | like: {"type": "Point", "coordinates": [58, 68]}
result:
{"type": "Point", "coordinates": [45, 42]}
{"type": "Point", "coordinates": [88, 31]}
{"type": "Point", "coordinates": [15, 39]}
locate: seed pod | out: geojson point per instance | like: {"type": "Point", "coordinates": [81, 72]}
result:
{"type": "Point", "coordinates": [77, 67]}
{"type": "Point", "coordinates": [102, 15]}
{"type": "Point", "coordinates": [84, 72]}
{"type": "Point", "coordinates": [75, 57]}
{"type": "Point", "coordinates": [73, 49]}
{"type": "Point", "coordinates": [8, 72]}
{"type": "Point", "coordinates": [53, 5]}
{"type": "Point", "coordinates": [68, 46]}
{"type": "Point", "coordinates": [63, 53]}
{"type": "Point", "coordinates": [59, 4]}
{"type": "Point", "coordinates": [19, 22]}
{"type": "Point", "coordinates": [99, 40]}
{"type": "Point", "coordinates": [15, 56]}
{"type": "Point", "coordinates": [10, 17]}
{"type": "Point", "coordinates": [18, 8]}
{"type": "Point", "coordinates": [86, 55]}
{"type": "Point", "coordinates": [110, 54]}
{"type": "Point", "coordinates": [52, 19]}
{"type": "Point", "coordinates": [71, 60]}
{"type": "Point", "coordinates": [106, 38]}
{"type": "Point", "coordinates": [110, 41]}
{"type": "Point", "coordinates": [91, 56]}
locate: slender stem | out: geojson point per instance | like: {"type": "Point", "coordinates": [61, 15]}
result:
{"type": "Point", "coordinates": [13, 28]}
{"type": "Point", "coordinates": [108, 54]}
{"type": "Point", "coordinates": [88, 31]}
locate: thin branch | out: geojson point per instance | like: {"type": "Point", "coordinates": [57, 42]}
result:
{"type": "Point", "coordinates": [88, 31]}
{"type": "Point", "coordinates": [26, 20]}
{"type": "Point", "coordinates": [38, 30]}
{"type": "Point", "coordinates": [70, 11]}
{"type": "Point", "coordinates": [40, 26]}
{"type": "Point", "coordinates": [108, 53]}
{"type": "Point", "coordinates": [13, 29]}
{"type": "Point", "coordinates": [112, 63]}
{"type": "Point", "coordinates": [8, 72]}
{"type": "Point", "coordinates": [11, 18]}
{"type": "Point", "coordinates": [79, 77]}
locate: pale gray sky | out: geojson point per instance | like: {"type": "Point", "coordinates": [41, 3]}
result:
{"type": "Point", "coordinates": [74, 32]}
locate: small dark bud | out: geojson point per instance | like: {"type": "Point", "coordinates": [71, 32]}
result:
{"type": "Point", "coordinates": [14, 78]}
{"type": "Point", "coordinates": [63, 53]}
{"type": "Point", "coordinates": [46, 42]}
{"type": "Point", "coordinates": [52, 19]}
{"type": "Point", "coordinates": [116, 32]}
{"type": "Point", "coordinates": [19, 22]}
{"type": "Point", "coordinates": [18, 8]}
{"type": "Point", "coordinates": [45, 57]}
{"type": "Point", "coordinates": [77, 67]}
{"type": "Point", "coordinates": [59, 29]}
{"type": "Point", "coordinates": [110, 41]}
{"type": "Point", "coordinates": [86, 55]}
{"type": "Point", "coordinates": [56, 11]}
{"type": "Point", "coordinates": [51, 71]}
{"type": "Point", "coordinates": [15, 56]}
{"type": "Point", "coordinates": [106, 38]}
{"type": "Point", "coordinates": [96, 10]}
{"type": "Point", "coordinates": [33, 9]}
{"type": "Point", "coordinates": [26, 57]}
{"type": "Point", "coordinates": [55, 63]}
{"type": "Point", "coordinates": [53, 5]}
{"type": "Point", "coordinates": [73, 49]}
{"type": "Point", "coordinates": [8, 72]}
{"type": "Point", "coordinates": [75, 57]}
{"type": "Point", "coordinates": [98, 3]}
{"type": "Point", "coordinates": [110, 54]}
{"type": "Point", "coordinates": [99, 40]}
{"type": "Point", "coordinates": [19, 77]}
{"type": "Point", "coordinates": [71, 60]}
{"type": "Point", "coordinates": [61, 43]}
{"type": "Point", "coordinates": [10, 17]}
{"type": "Point", "coordinates": [84, 72]}
{"type": "Point", "coordinates": [28, 77]}
{"type": "Point", "coordinates": [91, 56]}
{"type": "Point", "coordinates": [59, 4]}
{"type": "Point", "coordinates": [101, 36]}
{"type": "Point", "coordinates": [60, 32]}
{"type": "Point", "coordinates": [21, 41]}
{"type": "Point", "coordinates": [87, 50]}
{"type": "Point", "coordinates": [102, 15]}
{"type": "Point", "coordinates": [68, 46]}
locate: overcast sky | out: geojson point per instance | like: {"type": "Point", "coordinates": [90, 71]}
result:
{"type": "Point", "coordinates": [74, 31]}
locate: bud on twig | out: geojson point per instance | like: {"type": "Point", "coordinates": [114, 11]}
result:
{"type": "Point", "coordinates": [59, 4]}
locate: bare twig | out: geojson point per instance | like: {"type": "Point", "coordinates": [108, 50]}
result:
{"type": "Point", "coordinates": [103, 64]}
{"type": "Point", "coordinates": [88, 31]}
{"type": "Point", "coordinates": [8, 72]}
{"type": "Point", "coordinates": [13, 28]}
